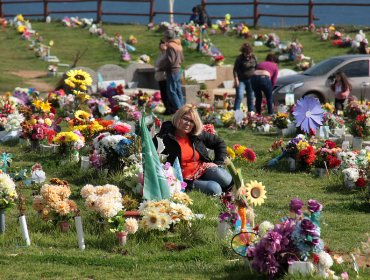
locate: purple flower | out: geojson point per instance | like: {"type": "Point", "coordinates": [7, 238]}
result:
{"type": "Point", "coordinates": [296, 206]}
{"type": "Point", "coordinates": [314, 206]}
{"type": "Point", "coordinates": [307, 227]}
{"type": "Point", "coordinates": [272, 242]}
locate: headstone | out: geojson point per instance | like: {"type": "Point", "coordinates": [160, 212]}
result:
{"type": "Point", "coordinates": [112, 72]}
{"type": "Point", "coordinates": [201, 72]}
{"type": "Point", "coordinates": [142, 74]}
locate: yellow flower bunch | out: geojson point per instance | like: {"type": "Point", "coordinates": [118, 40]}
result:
{"type": "Point", "coordinates": [240, 150]}
{"type": "Point", "coordinates": [227, 117]}
{"type": "Point", "coordinates": [20, 17]}
{"type": "Point", "coordinates": [282, 115]}
{"type": "Point", "coordinates": [65, 137]}
{"type": "Point", "coordinates": [41, 105]}
{"type": "Point", "coordinates": [230, 152]}
{"type": "Point", "coordinates": [78, 79]}
{"type": "Point", "coordinates": [82, 96]}
{"type": "Point", "coordinates": [328, 107]}
{"type": "Point", "coordinates": [302, 145]}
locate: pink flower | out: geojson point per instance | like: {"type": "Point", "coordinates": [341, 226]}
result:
{"type": "Point", "coordinates": [344, 275]}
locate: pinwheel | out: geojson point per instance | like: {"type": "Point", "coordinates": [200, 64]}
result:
{"type": "Point", "coordinates": [308, 114]}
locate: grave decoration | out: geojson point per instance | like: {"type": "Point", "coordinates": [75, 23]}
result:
{"type": "Point", "coordinates": [281, 247]}
{"type": "Point", "coordinates": [53, 203]}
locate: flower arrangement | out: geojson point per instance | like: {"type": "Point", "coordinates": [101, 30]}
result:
{"type": "Point", "coordinates": [13, 122]}
{"type": "Point", "coordinates": [161, 215]}
{"type": "Point", "coordinates": [53, 203]}
{"type": "Point", "coordinates": [117, 151]}
{"type": "Point", "coordinates": [8, 194]}
{"type": "Point", "coordinates": [326, 156]}
{"type": "Point", "coordinates": [174, 184]}
{"type": "Point", "coordinates": [294, 239]}
{"type": "Point", "coordinates": [241, 152]}
{"type": "Point", "coordinates": [119, 223]}
{"type": "Point", "coordinates": [360, 126]}
{"type": "Point", "coordinates": [332, 120]}
{"type": "Point", "coordinates": [104, 200]}
{"type": "Point", "coordinates": [229, 211]}
{"type": "Point", "coordinates": [280, 120]}
{"type": "Point", "coordinates": [355, 108]}
{"type": "Point", "coordinates": [69, 142]}
{"type": "Point", "coordinates": [256, 121]}
{"type": "Point", "coordinates": [38, 128]}
{"type": "Point", "coordinates": [203, 95]}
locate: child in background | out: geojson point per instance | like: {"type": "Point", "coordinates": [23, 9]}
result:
{"type": "Point", "coordinates": [341, 88]}
{"type": "Point", "coordinates": [194, 16]}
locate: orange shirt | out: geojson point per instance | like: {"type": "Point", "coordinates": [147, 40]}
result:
{"type": "Point", "coordinates": [188, 166]}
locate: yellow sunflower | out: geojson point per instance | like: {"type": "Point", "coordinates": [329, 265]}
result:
{"type": "Point", "coordinates": [81, 95]}
{"type": "Point", "coordinates": [230, 152]}
{"type": "Point", "coordinates": [79, 77]}
{"type": "Point", "coordinates": [81, 115]}
{"type": "Point", "coordinates": [240, 150]}
{"type": "Point", "coordinates": [256, 192]}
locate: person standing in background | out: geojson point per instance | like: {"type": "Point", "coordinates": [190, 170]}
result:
{"type": "Point", "coordinates": [171, 64]}
{"type": "Point", "coordinates": [341, 87]}
{"type": "Point", "coordinates": [264, 80]}
{"type": "Point", "coordinates": [160, 77]}
{"type": "Point", "coordinates": [244, 67]}
{"type": "Point", "coordinates": [194, 16]}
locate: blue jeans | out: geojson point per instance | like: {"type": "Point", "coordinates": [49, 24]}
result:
{"type": "Point", "coordinates": [244, 85]}
{"type": "Point", "coordinates": [214, 181]}
{"type": "Point", "coordinates": [174, 91]}
{"type": "Point", "coordinates": [262, 84]}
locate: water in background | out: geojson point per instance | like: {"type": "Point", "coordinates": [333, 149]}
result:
{"type": "Point", "coordinates": [341, 16]}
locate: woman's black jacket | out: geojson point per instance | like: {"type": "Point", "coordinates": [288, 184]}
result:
{"type": "Point", "coordinates": [200, 144]}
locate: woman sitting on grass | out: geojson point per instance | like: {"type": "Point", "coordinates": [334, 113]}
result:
{"type": "Point", "coordinates": [185, 139]}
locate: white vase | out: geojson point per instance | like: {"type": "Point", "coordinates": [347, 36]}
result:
{"type": "Point", "coordinates": [357, 143]}
{"type": "Point", "coordinates": [223, 229]}
{"type": "Point", "coordinates": [266, 128]}
{"type": "Point", "coordinates": [303, 268]}
{"type": "Point", "coordinates": [283, 131]}
{"type": "Point", "coordinates": [85, 162]}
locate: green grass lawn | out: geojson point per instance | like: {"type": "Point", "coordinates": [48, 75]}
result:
{"type": "Point", "coordinates": [55, 255]}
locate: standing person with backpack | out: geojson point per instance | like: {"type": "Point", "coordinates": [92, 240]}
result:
{"type": "Point", "coordinates": [244, 67]}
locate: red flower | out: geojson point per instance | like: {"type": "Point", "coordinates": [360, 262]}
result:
{"type": "Point", "coordinates": [52, 110]}
{"type": "Point", "coordinates": [361, 182]}
{"type": "Point", "coordinates": [209, 128]}
{"type": "Point", "coordinates": [250, 155]}
{"type": "Point", "coordinates": [330, 144]}
{"type": "Point", "coordinates": [316, 258]}
{"type": "Point", "coordinates": [157, 122]}
{"type": "Point", "coordinates": [122, 128]}
{"type": "Point", "coordinates": [236, 146]}
{"type": "Point", "coordinates": [308, 155]}
{"type": "Point", "coordinates": [333, 162]}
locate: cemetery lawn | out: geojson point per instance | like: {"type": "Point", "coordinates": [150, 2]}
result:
{"type": "Point", "coordinates": [195, 253]}
{"type": "Point", "coordinates": [15, 56]}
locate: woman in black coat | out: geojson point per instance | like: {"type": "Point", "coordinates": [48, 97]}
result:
{"type": "Point", "coordinates": [185, 139]}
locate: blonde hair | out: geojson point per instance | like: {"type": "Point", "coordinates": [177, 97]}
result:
{"type": "Point", "coordinates": [188, 109]}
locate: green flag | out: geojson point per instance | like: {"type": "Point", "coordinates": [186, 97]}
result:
{"type": "Point", "coordinates": [155, 182]}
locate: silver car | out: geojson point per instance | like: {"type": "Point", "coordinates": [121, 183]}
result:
{"type": "Point", "coordinates": [316, 81]}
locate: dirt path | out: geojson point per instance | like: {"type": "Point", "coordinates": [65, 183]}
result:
{"type": "Point", "coordinates": [33, 79]}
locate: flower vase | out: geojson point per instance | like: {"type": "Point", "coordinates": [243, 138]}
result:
{"type": "Point", "coordinates": [357, 143]}
{"type": "Point", "coordinates": [64, 226]}
{"type": "Point", "coordinates": [2, 220]}
{"type": "Point", "coordinates": [85, 162]}
{"type": "Point", "coordinates": [320, 172]}
{"type": "Point", "coordinates": [291, 163]}
{"type": "Point", "coordinates": [35, 144]}
{"type": "Point", "coordinates": [122, 237]}
{"type": "Point", "coordinates": [266, 128]}
{"type": "Point", "coordinates": [223, 229]}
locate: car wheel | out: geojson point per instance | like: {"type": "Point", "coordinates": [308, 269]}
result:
{"type": "Point", "coordinates": [316, 95]}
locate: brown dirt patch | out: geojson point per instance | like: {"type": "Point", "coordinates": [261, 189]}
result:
{"type": "Point", "coordinates": [31, 78]}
